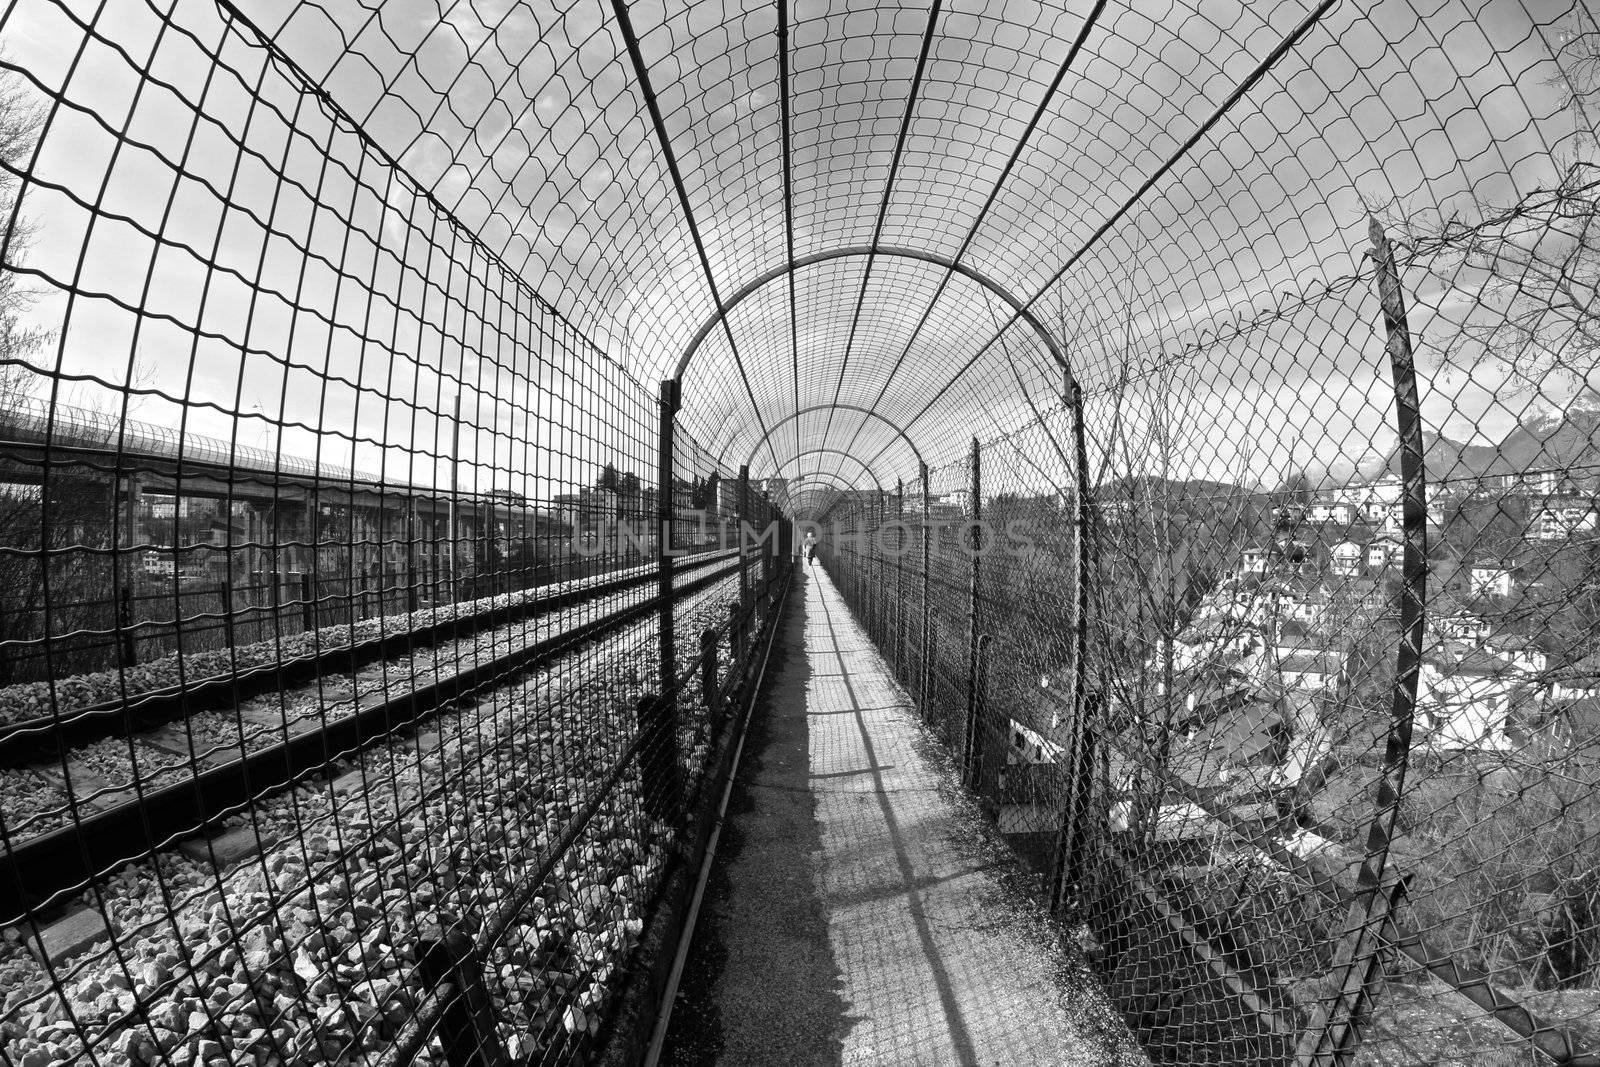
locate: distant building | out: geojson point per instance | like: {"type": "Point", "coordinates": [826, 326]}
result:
{"type": "Point", "coordinates": [1309, 668]}
{"type": "Point", "coordinates": [1462, 626]}
{"type": "Point", "coordinates": [1385, 551]}
{"type": "Point", "coordinates": [1030, 746]}
{"type": "Point", "coordinates": [1345, 558]}
{"type": "Point", "coordinates": [1559, 520]}
{"type": "Point", "coordinates": [1378, 500]}
{"type": "Point", "coordinates": [1491, 578]}
{"type": "Point", "coordinates": [1554, 482]}
{"type": "Point", "coordinates": [1520, 653]}
{"type": "Point", "coordinates": [161, 506]}
{"type": "Point", "coordinates": [1339, 512]}
{"type": "Point", "coordinates": [1577, 680]}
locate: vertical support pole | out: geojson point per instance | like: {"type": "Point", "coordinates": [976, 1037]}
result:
{"type": "Point", "coordinates": [455, 491]}
{"type": "Point", "coordinates": [735, 637]}
{"type": "Point", "coordinates": [899, 575]}
{"type": "Point", "coordinates": [927, 605]}
{"type": "Point", "coordinates": [467, 1027]}
{"type": "Point", "coordinates": [880, 580]}
{"type": "Point", "coordinates": [125, 626]}
{"type": "Point", "coordinates": [1361, 963]}
{"type": "Point", "coordinates": [743, 504]}
{"type": "Point", "coordinates": [659, 775]}
{"type": "Point", "coordinates": [972, 751]}
{"type": "Point", "coordinates": [708, 673]}
{"type": "Point", "coordinates": [130, 520]}
{"type": "Point", "coordinates": [1069, 865]}
{"type": "Point", "coordinates": [411, 554]}
{"type": "Point", "coordinates": [308, 603]}
{"type": "Point", "coordinates": [667, 666]}
{"type": "Point", "coordinates": [227, 611]}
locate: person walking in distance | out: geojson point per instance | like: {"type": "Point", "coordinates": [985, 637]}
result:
{"type": "Point", "coordinates": [811, 546]}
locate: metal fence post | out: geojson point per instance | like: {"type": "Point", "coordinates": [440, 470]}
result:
{"type": "Point", "coordinates": [927, 605]}
{"type": "Point", "coordinates": [659, 777]}
{"type": "Point", "coordinates": [735, 639]}
{"type": "Point", "coordinates": [1070, 862]}
{"type": "Point", "coordinates": [227, 611]}
{"type": "Point", "coordinates": [743, 503]}
{"type": "Point", "coordinates": [1361, 963]}
{"type": "Point", "coordinates": [708, 672]}
{"type": "Point", "coordinates": [467, 1028]}
{"type": "Point", "coordinates": [411, 554]}
{"type": "Point", "coordinates": [899, 576]}
{"type": "Point", "coordinates": [125, 626]}
{"type": "Point", "coordinates": [972, 752]}
{"type": "Point", "coordinates": [308, 603]}
{"type": "Point", "coordinates": [667, 667]}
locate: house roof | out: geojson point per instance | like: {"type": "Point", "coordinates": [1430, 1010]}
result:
{"type": "Point", "coordinates": [1310, 660]}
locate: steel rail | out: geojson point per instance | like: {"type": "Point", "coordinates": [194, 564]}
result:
{"type": "Point", "coordinates": [44, 871]}
{"type": "Point", "coordinates": [32, 739]}
{"type": "Point", "coordinates": [423, 1023]}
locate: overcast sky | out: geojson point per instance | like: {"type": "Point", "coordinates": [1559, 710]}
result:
{"type": "Point", "coordinates": [532, 245]}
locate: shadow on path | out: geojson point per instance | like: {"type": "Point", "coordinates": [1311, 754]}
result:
{"type": "Point", "coordinates": [760, 985]}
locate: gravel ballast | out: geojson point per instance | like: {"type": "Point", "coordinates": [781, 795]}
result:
{"type": "Point", "coordinates": [305, 953]}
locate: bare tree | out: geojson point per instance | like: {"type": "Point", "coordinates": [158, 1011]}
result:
{"type": "Point", "coordinates": [20, 121]}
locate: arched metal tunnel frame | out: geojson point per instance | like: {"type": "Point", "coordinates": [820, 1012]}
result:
{"type": "Point", "coordinates": [1072, 396]}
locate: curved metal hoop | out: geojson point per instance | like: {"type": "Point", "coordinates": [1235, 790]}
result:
{"type": "Point", "coordinates": [751, 287]}
{"type": "Point", "coordinates": [835, 407]}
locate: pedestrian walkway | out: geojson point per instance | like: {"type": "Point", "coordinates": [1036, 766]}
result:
{"type": "Point", "coordinates": [862, 911]}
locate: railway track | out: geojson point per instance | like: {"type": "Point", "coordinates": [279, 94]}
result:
{"type": "Point", "coordinates": [532, 752]}
{"type": "Point", "coordinates": [29, 740]}
{"type": "Point", "coordinates": [137, 749]}
{"type": "Point", "coordinates": [118, 826]}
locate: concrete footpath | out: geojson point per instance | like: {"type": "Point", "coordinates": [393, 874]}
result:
{"type": "Point", "coordinates": [861, 910]}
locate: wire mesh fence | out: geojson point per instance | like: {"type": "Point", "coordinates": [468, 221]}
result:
{"type": "Point", "coordinates": [1309, 758]}
{"type": "Point", "coordinates": [363, 669]}
{"type": "Point", "coordinates": [1200, 409]}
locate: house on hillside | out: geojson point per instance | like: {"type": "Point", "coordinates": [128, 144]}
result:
{"type": "Point", "coordinates": [1027, 745]}
{"type": "Point", "coordinates": [1491, 578]}
{"type": "Point", "coordinates": [1309, 668]}
{"type": "Point", "coordinates": [1376, 500]}
{"type": "Point", "coordinates": [1385, 551]}
{"type": "Point", "coordinates": [1577, 680]}
{"type": "Point", "coordinates": [1218, 641]}
{"type": "Point", "coordinates": [1558, 481]}
{"type": "Point", "coordinates": [1461, 625]}
{"type": "Point", "coordinates": [1301, 600]}
{"type": "Point", "coordinates": [1561, 519]}
{"type": "Point", "coordinates": [1519, 653]}
{"type": "Point", "coordinates": [1345, 559]}
{"type": "Point", "coordinates": [1339, 512]}
{"type": "Point", "coordinates": [1466, 701]}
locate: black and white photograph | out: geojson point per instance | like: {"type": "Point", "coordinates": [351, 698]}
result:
{"type": "Point", "coordinates": [799, 533]}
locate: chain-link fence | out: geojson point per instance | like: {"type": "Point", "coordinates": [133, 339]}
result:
{"type": "Point", "coordinates": [1311, 759]}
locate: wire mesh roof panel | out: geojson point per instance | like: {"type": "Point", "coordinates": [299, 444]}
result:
{"type": "Point", "coordinates": [639, 166]}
